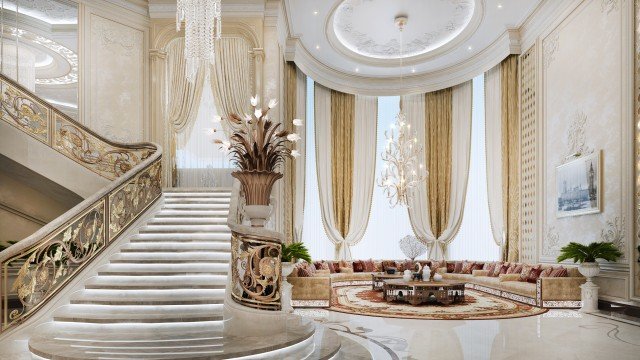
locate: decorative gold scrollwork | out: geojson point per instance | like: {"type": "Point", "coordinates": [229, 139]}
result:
{"type": "Point", "coordinates": [45, 267]}
{"type": "Point", "coordinates": [24, 112]}
{"type": "Point", "coordinates": [133, 197]}
{"type": "Point", "coordinates": [255, 272]}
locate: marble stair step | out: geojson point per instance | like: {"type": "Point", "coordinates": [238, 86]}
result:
{"type": "Point", "coordinates": [221, 194]}
{"type": "Point", "coordinates": [177, 213]}
{"type": "Point", "coordinates": [159, 246]}
{"type": "Point", "coordinates": [157, 282]}
{"type": "Point", "coordinates": [170, 257]}
{"type": "Point", "coordinates": [185, 229]}
{"type": "Point", "coordinates": [188, 221]}
{"type": "Point", "coordinates": [148, 297]}
{"type": "Point", "coordinates": [196, 207]}
{"type": "Point", "coordinates": [164, 237]}
{"type": "Point", "coordinates": [196, 190]}
{"type": "Point", "coordinates": [197, 200]}
{"type": "Point", "coordinates": [138, 313]}
{"type": "Point", "coordinates": [163, 269]}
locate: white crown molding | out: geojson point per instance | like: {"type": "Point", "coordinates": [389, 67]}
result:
{"type": "Point", "coordinates": [543, 18]}
{"type": "Point", "coordinates": [168, 10]}
{"type": "Point", "coordinates": [456, 74]}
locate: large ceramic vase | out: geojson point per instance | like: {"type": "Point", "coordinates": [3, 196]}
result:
{"type": "Point", "coordinates": [257, 186]}
{"type": "Point", "coordinates": [589, 289]}
{"type": "Point", "coordinates": [287, 269]}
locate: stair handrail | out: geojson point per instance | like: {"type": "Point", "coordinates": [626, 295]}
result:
{"type": "Point", "coordinates": [256, 271]}
{"type": "Point", "coordinates": [45, 262]}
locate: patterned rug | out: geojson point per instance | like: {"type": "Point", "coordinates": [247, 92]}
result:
{"type": "Point", "coordinates": [361, 300]}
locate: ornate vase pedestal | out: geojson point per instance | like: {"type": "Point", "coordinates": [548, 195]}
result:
{"type": "Point", "coordinates": [258, 214]}
{"type": "Point", "coordinates": [589, 289]}
{"type": "Point", "coordinates": [287, 269]}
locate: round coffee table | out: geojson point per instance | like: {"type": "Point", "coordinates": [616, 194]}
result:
{"type": "Point", "coordinates": [377, 279]}
{"type": "Point", "coordinates": [418, 292]}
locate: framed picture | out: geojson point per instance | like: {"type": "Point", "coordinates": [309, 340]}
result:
{"type": "Point", "coordinates": [578, 182]}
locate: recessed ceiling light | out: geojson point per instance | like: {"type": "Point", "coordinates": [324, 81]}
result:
{"type": "Point", "coordinates": [317, 47]}
{"type": "Point", "coordinates": [413, 70]}
{"type": "Point", "coordinates": [315, 12]}
{"type": "Point", "coordinates": [470, 48]}
{"type": "Point", "coordinates": [357, 69]}
{"type": "Point", "coordinates": [499, 6]}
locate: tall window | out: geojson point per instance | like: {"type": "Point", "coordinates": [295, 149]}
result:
{"type": "Point", "coordinates": [474, 241]}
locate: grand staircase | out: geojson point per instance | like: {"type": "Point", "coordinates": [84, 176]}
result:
{"type": "Point", "coordinates": [162, 297]}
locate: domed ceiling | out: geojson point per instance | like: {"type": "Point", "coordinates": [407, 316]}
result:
{"type": "Point", "coordinates": [357, 45]}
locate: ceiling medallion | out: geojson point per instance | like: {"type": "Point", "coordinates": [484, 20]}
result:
{"type": "Point", "coordinates": [359, 26]}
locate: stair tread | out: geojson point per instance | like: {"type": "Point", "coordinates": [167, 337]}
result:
{"type": "Point", "coordinates": [150, 280]}
{"type": "Point", "coordinates": [78, 312]}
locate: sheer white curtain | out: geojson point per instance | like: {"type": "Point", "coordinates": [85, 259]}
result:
{"type": "Point", "coordinates": [474, 240]}
{"type": "Point", "coordinates": [199, 161]}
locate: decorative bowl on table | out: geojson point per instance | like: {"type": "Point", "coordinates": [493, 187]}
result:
{"type": "Point", "coordinates": [391, 270]}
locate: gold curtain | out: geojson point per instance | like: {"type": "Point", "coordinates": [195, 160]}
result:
{"type": "Point", "coordinates": [438, 120]}
{"type": "Point", "coordinates": [343, 108]}
{"type": "Point", "coordinates": [290, 101]}
{"type": "Point", "coordinates": [183, 102]}
{"type": "Point", "coordinates": [510, 156]}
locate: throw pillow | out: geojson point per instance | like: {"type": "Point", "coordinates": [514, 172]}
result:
{"type": "Point", "coordinates": [518, 269]}
{"type": "Point", "coordinates": [378, 266]}
{"type": "Point", "coordinates": [451, 266]}
{"type": "Point", "coordinates": [490, 267]}
{"type": "Point", "coordinates": [409, 265]}
{"type": "Point", "coordinates": [400, 266]}
{"type": "Point", "coordinates": [558, 272]}
{"type": "Point", "coordinates": [458, 267]}
{"type": "Point", "coordinates": [546, 272]}
{"type": "Point", "coordinates": [503, 269]}
{"type": "Point", "coordinates": [317, 265]}
{"type": "Point", "coordinates": [512, 269]}
{"type": "Point", "coordinates": [466, 267]}
{"type": "Point", "coordinates": [336, 266]}
{"type": "Point", "coordinates": [346, 270]}
{"type": "Point", "coordinates": [524, 273]}
{"type": "Point", "coordinates": [358, 266]}
{"type": "Point", "coordinates": [477, 266]}
{"type": "Point", "coordinates": [497, 268]}
{"type": "Point", "coordinates": [534, 274]}
{"type": "Point", "coordinates": [369, 266]}
{"type": "Point", "coordinates": [324, 265]}
{"type": "Point", "coordinates": [388, 264]}
{"type": "Point", "coordinates": [346, 264]}
{"type": "Point", "coordinates": [304, 270]}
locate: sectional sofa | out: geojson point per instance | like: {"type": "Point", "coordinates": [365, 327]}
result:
{"type": "Point", "coordinates": [312, 283]}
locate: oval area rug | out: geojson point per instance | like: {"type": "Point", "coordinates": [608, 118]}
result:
{"type": "Point", "coordinates": [361, 300]}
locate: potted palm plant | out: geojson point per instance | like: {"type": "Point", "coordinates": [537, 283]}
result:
{"type": "Point", "coordinates": [289, 255]}
{"type": "Point", "coordinates": [586, 256]}
{"type": "Point", "coordinates": [258, 148]}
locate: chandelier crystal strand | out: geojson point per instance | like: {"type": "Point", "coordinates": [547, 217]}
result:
{"type": "Point", "coordinates": [403, 170]}
{"type": "Point", "coordinates": [203, 26]}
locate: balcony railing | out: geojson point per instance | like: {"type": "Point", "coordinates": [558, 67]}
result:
{"type": "Point", "coordinates": [35, 269]}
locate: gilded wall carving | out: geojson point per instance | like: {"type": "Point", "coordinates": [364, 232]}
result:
{"type": "Point", "coordinates": [45, 267]}
{"type": "Point", "coordinates": [132, 198]}
{"type": "Point", "coordinates": [255, 272]}
{"type": "Point", "coordinates": [24, 112]}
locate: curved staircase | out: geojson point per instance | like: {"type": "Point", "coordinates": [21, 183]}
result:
{"type": "Point", "coordinates": [162, 297]}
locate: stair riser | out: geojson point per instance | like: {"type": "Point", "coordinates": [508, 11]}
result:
{"type": "Point", "coordinates": [139, 321]}
{"type": "Point", "coordinates": [168, 262]}
{"type": "Point", "coordinates": [148, 302]}
{"type": "Point", "coordinates": [160, 273]}
{"type": "Point", "coordinates": [146, 251]}
{"type": "Point", "coordinates": [141, 287]}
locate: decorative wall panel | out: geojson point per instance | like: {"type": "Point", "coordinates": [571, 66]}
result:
{"type": "Point", "coordinates": [528, 158]}
{"type": "Point", "coordinates": [117, 100]}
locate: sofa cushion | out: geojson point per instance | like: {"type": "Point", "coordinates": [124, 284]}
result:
{"type": "Point", "coordinates": [519, 287]}
{"type": "Point", "coordinates": [350, 277]}
{"type": "Point", "coordinates": [546, 272]}
{"type": "Point", "coordinates": [369, 266]}
{"type": "Point", "coordinates": [451, 266]}
{"type": "Point", "coordinates": [492, 282]}
{"type": "Point", "coordinates": [509, 277]}
{"type": "Point", "coordinates": [457, 267]}
{"type": "Point", "coordinates": [513, 269]}
{"type": "Point", "coordinates": [346, 270]}
{"type": "Point", "coordinates": [524, 273]}
{"type": "Point", "coordinates": [476, 273]}
{"type": "Point", "coordinates": [573, 272]}
{"type": "Point", "coordinates": [497, 268]}
{"type": "Point", "coordinates": [358, 266]}
{"type": "Point", "coordinates": [504, 268]}
{"type": "Point", "coordinates": [454, 276]}
{"type": "Point", "coordinates": [534, 274]}
{"type": "Point", "coordinates": [322, 273]}
{"type": "Point", "coordinates": [489, 267]}
{"type": "Point", "coordinates": [477, 266]}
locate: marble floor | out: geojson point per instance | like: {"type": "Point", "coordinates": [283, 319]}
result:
{"type": "Point", "coordinates": [557, 334]}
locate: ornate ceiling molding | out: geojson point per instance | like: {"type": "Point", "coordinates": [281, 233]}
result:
{"type": "Point", "coordinates": [421, 48]}
{"type": "Point", "coordinates": [506, 44]}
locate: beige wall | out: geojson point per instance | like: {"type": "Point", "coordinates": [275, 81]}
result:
{"type": "Point", "coordinates": [584, 70]}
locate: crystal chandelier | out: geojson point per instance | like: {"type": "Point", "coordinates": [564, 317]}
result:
{"type": "Point", "coordinates": [403, 170]}
{"type": "Point", "coordinates": [203, 26]}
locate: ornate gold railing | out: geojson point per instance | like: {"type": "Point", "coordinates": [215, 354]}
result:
{"type": "Point", "coordinates": [256, 272]}
{"type": "Point", "coordinates": [36, 268]}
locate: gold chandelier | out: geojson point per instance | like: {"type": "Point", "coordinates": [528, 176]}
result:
{"type": "Point", "coordinates": [202, 27]}
{"type": "Point", "coordinates": [403, 170]}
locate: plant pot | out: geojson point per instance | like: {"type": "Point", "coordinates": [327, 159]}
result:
{"type": "Point", "coordinates": [287, 269]}
{"type": "Point", "coordinates": [407, 275]}
{"type": "Point", "coordinates": [258, 214]}
{"type": "Point", "coordinates": [437, 277]}
{"type": "Point", "coordinates": [257, 185]}
{"type": "Point", "coordinates": [589, 269]}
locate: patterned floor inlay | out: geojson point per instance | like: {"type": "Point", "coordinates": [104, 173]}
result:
{"type": "Point", "coordinates": [361, 300]}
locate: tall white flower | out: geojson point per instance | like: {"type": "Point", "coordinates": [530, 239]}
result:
{"type": "Point", "coordinates": [217, 118]}
{"type": "Point", "coordinates": [293, 137]}
{"type": "Point", "coordinates": [297, 122]}
{"type": "Point", "coordinates": [272, 103]}
{"type": "Point", "coordinates": [247, 117]}
{"type": "Point", "coordinates": [254, 100]}
{"type": "Point", "coordinates": [258, 113]}
{"type": "Point", "coordinates": [295, 153]}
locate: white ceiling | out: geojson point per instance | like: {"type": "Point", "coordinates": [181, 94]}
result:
{"type": "Point", "coordinates": [356, 40]}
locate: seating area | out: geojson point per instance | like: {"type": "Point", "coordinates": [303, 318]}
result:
{"type": "Point", "coordinates": [540, 285]}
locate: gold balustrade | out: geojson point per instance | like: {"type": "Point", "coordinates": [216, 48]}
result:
{"type": "Point", "coordinates": [38, 267]}
{"type": "Point", "coordinates": [256, 271]}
